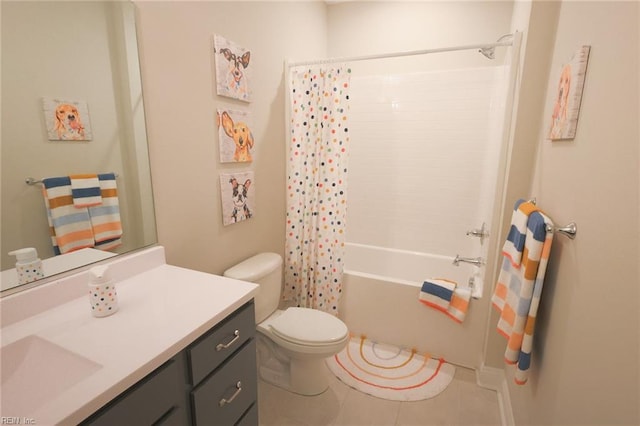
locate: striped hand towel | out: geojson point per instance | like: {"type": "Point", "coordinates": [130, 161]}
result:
{"type": "Point", "coordinates": [434, 293]}
{"type": "Point", "coordinates": [70, 227]}
{"type": "Point", "coordinates": [437, 293]}
{"type": "Point", "coordinates": [85, 190]}
{"type": "Point", "coordinates": [514, 244]}
{"type": "Point", "coordinates": [459, 304]}
{"type": "Point", "coordinates": [105, 218]}
{"type": "Point", "coordinates": [517, 294]}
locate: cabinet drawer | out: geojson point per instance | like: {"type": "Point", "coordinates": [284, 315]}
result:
{"type": "Point", "coordinates": [250, 418]}
{"type": "Point", "coordinates": [157, 397]}
{"type": "Point", "coordinates": [209, 352]}
{"type": "Point", "coordinates": [235, 383]}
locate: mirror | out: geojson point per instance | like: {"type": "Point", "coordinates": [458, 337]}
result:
{"type": "Point", "coordinates": [85, 52]}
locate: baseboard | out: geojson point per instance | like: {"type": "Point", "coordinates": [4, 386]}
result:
{"type": "Point", "coordinates": [495, 379]}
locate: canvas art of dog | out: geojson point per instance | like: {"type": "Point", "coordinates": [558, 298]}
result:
{"type": "Point", "coordinates": [566, 107]}
{"type": "Point", "coordinates": [232, 69]}
{"type": "Point", "coordinates": [239, 199]}
{"type": "Point", "coordinates": [237, 63]}
{"type": "Point", "coordinates": [241, 135]}
{"type": "Point", "coordinates": [559, 118]}
{"type": "Point", "coordinates": [68, 123]}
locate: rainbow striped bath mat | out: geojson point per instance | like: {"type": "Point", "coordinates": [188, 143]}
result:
{"type": "Point", "coordinates": [390, 372]}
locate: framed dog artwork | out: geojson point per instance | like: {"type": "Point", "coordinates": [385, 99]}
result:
{"type": "Point", "coordinates": [67, 120]}
{"type": "Point", "coordinates": [233, 69]}
{"type": "Point", "coordinates": [235, 136]}
{"type": "Point", "coordinates": [566, 107]}
{"type": "Point", "coordinates": [237, 192]}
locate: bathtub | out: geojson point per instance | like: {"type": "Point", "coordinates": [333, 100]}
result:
{"type": "Point", "coordinates": [380, 300]}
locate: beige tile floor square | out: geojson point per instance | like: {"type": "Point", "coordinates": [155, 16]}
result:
{"type": "Point", "coordinates": [462, 403]}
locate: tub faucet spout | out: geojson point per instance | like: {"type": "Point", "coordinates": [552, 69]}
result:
{"type": "Point", "coordinates": [477, 261]}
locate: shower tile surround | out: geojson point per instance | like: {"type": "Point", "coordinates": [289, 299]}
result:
{"type": "Point", "coordinates": [432, 139]}
{"type": "Point", "coordinates": [423, 166]}
{"type": "Point", "coordinates": [462, 403]}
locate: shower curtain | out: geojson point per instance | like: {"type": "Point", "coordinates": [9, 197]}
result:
{"type": "Point", "coordinates": [316, 186]}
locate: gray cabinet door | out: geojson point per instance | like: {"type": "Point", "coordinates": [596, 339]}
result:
{"type": "Point", "coordinates": [156, 399]}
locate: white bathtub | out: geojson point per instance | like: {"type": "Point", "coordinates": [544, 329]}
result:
{"type": "Point", "coordinates": [380, 300]}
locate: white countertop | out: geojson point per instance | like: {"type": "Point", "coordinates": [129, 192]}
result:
{"type": "Point", "coordinates": [161, 311]}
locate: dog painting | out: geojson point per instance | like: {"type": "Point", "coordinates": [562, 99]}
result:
{"type": "Point", "coordinates": [235, 136]}
{"type": "Point", "coordinates": [566, 107]}
{"type": "Point", "coordinates": [233, 69]}
{"type": "Point", "coordinates": [67, 120]}
{"type": "Point", "coordinates": [237, 191]}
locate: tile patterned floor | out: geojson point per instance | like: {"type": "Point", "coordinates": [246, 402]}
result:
{"type": "Point", "coordinates": [462, 403]}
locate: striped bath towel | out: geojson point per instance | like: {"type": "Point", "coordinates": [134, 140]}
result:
{"type": "Point", "coordinates": [514, 244]}
{"type": "Point", "coordinates": [85, 190]}
{"type": "Point", "coordinates": [434, 293]}
{"type": "Point", "coordinates": [105, 218]}
{"type": "Point", "coordinates": [70, 227]}
{"type": "Point", "coordinates": [518, 290]}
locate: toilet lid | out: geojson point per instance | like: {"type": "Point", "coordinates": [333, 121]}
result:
{"type": "Point", "coordinates": [309, 326]}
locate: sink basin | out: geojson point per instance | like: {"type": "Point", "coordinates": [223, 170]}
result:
{"type": "Point", "coordinates": [35, 370]}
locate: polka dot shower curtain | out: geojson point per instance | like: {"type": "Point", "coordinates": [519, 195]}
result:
{"type": "Point", "coordinates": [316, 186]}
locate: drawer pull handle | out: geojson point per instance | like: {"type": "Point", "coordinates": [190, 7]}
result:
{"type": "Point", "coordinates": [225, 401]}
{"type": "Point", "coordinates": [221, 346]}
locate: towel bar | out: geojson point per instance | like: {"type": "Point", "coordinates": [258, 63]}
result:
{"type": "Point", "coordinates": [569, 230]}
{"type": "Point", "coordinates": [32, 181]}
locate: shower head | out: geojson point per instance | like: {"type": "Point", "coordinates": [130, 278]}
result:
{"type": "Point", "coordinates": [488, 52]}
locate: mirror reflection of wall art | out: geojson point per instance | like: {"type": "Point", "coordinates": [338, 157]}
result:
{"type": "Point", "coordinates": [67, 120]}
{"type": "Point", "coordinates": [235, 136]}
{"type": "Point", "coordinates": [566, 108]}
{"type": "Point", "coordinates": [233, 69]}
{"type": "Point", "coordinates": [238, 195]}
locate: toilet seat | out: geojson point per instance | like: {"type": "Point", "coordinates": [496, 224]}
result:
{"type": "Point", "coordinates": [309, 327]}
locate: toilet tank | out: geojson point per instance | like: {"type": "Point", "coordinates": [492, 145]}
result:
{"type": "Point", "coordinates": [264, 269]}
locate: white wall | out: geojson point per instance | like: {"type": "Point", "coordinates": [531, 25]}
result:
{"type": "Point", "coordinates": [370, 27]}
{"type": "Point", "coordinates": [585, 365]}
{"type": "Point", "coordinates": [177, 64]}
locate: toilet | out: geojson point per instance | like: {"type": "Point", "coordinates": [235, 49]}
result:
{"type": "Point", "coordinates": [293, 343]}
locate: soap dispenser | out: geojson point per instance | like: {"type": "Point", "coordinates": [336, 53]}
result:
{"type": "Point", "coordinates": [102, 292]}
{"type": "Point", "coordinates": [28, 266]}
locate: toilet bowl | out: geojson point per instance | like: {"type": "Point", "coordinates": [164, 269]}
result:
{"type": "Point", "coordinates": [293, 343]}
{"type": "Point", "coordinates": [294, 358]}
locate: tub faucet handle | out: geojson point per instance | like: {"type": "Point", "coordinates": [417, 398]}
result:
{"type": "Point", "coordinates": [481, 233]}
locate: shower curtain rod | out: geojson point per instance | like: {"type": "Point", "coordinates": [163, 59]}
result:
{"type": "Point", "coordinates": [406, 53]}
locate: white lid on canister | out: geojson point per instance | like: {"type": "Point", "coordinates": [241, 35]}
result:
{"type": "Point", "coordinates": [25, 255]}
{"type": "Point", "coordinates": [100, 274]}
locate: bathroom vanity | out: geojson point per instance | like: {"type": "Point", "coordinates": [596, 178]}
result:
{"type": "Point", "coordinates": [179, 351]}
